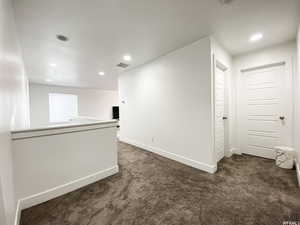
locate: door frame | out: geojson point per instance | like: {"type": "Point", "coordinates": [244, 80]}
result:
{"type": "Point", "coordinates": [218, 64]}
{"type": "Point", "coordinates": [289, 69]}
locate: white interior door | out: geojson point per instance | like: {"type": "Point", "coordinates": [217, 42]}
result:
{"type": "Point", "coordinates": [264, 110]}
{"type": "Point", "coordinates": [219, 113]}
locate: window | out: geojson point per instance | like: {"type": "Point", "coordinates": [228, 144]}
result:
{"type": "Point", "coordinates": [62, 107]}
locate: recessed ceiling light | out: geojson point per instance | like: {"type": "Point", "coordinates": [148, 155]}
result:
{"type": "Point", "coordinates": [101, 73]}
{"type": "Point", "coordinates": [127, 57]}
{"type": "Point", "coordinates": [62, 37]}
{"type": "Point", "coordinates": [48, 80]}
{"type": "Point", "coordinates": [256, 37]}
{"type": "Point", "coordinates": [52, 64]}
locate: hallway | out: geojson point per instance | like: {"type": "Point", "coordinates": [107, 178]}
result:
{"type": "Point", "coordinates": [151, 190]}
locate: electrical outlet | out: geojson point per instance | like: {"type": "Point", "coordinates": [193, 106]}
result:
{"type": "Point", "coordinates": [152, 139]}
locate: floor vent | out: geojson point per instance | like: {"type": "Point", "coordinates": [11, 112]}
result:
{"type": "Point", "coordinates": [123, 65]}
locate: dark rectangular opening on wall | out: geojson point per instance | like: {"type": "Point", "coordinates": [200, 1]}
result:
{"type": "Point", "coordinates": [115, 112]}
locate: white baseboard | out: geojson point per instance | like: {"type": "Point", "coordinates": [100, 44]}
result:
{"type": "Point", "coordinates": [18, 214]}
{"type": "Point", "coordinates": [228, 153]}
{"type": "Point", "coordinates": [178, 158]}
{"type": "Point", "coordinates": [298, 172]}
{"type": "Point", "coordinates": [61, 190]}
{"type": "Point", "coordinates": [235, 151]}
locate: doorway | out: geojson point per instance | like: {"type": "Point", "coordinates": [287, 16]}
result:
{"type": "Point", "coordinates": [265, 109]}
{"type": "Point", "coordinates": [220, 110]}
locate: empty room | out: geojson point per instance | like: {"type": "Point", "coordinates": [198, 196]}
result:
{"type": "Point", "coordinates": [162, 112]}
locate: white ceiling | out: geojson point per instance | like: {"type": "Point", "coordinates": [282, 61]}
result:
{"type": "Point", "coordinates": [102, 31]}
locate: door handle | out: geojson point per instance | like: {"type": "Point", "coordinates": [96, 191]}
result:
{"type": "Point", "coordinates": [224, 117]}
{"type": "Point", "coordinates": [282, 117]}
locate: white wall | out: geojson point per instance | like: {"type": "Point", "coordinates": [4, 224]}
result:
{"type": "Point", "coordinates": [297, 104]}
{"type": "Point", "coordinates": [283, 52]}
{"type": "Point", "coordinates": [13, 105]}
{"type": "Point", "coordinates": [168, 107]}
{"type": "Point", "coordinates": [48, 165]}
{"type": "Point", "coordinates": [2, 209]}
{"type": "Point", "coordinates": [91, 102]}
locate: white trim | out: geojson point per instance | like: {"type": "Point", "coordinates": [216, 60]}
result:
{"type": "Point", "coordinates": [213, 72]}
{"type": "Point", "coordinates": [233, 151]}
{"type": "Point", "coordinates": [221, 66]}
{"type": "Point", "coordinates": [62, 189]}
{"type": "Point", "coordinates": [18, 214]}
{"type": "Point", "coordinates": [298, 172]}
{"type": "Point", "coordinates": [228, 153]}
{"type": "Point", "coordinates": [236, 151]}
{"type": "Point", "coordinates": [178, 158]}
{"type": "Point", "coordinates": [263, 66]}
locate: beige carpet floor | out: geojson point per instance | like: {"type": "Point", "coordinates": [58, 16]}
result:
{"type": "Point", "coordinates": [152, 190]}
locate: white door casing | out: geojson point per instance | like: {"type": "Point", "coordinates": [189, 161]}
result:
{"type": "Point", "coordinates": [264, 99]}
{"type": "Point", "coordinates": [219, 102]}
